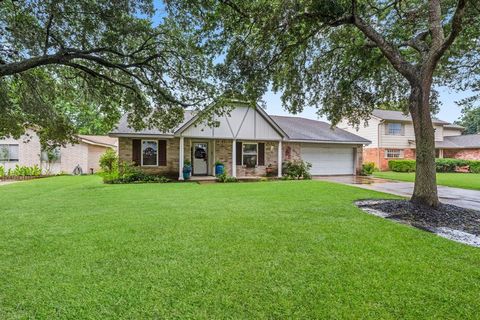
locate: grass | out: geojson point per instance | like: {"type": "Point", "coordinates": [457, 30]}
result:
{"type": "Point", "coordinates": [458, 180]}
{"type": "Point", "coordinates": [71, 247]}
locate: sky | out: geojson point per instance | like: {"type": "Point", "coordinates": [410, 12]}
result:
{"type": "Point", "coordinates": [449, 110]}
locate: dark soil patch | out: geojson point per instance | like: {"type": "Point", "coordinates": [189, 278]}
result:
{"type": "Point", "coordinates": [427, 218]}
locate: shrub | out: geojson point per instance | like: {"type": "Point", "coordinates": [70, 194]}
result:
{"type": "Point", "coordinates": [402, 165]}
{"type": "Point", "coordinates": [474, 166]}
{"type": "Point", "coordinates": [368, 168]}
{"type": "Point", "coordinates": [449, 165]}
{"type": "Point", "coordinates": [226, 178]}
{"type": "Point", "coordinates": [2, 171]}
{"type": "Point", "coordinates": [297, 169]}
{"type": "Point", "coordinates": [108, 161]}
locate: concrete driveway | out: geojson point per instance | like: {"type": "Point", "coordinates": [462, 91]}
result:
{"type": "Point", "coordinates": [464, 198]}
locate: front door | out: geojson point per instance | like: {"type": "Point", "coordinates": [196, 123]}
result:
{"type": "Point", "coordinates": [200, 158]}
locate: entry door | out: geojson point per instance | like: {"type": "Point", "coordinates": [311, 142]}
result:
{"type": "Point", "coordinates": [200, 158]}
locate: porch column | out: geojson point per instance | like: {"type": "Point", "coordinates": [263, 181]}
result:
{"type": "Point", "coordinates": [234, 158]}
{"type": "Point", "coordinates": [440, 153]}
{"type": "Point", "coordinates": [181, 155]}
{"type": "Point", "coordinates": [279, 160]}
{"type": "Point", "coordinates": [213, 158]}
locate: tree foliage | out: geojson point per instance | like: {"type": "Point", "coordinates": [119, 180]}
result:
{"type": "Point", "coordinates": [63, 63]}
{"type": "Point", "coordinates": [315, 55]}
{"type": "Point", "coordinates": [470, 119]}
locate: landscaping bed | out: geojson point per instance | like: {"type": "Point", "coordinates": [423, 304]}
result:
{"type": "Point", "coordinates": [449, 221]}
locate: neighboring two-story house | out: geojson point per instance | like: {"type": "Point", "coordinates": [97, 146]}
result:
{"type": "Point", "coordinates": [393, 137]}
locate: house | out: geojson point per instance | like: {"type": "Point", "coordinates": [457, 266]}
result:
{"type": "Point", "coordinates": [27, 151]}
{"type": "Point", "coordinates": [393, 137]}
{"type": "Point", "coordinates": [246, 141]}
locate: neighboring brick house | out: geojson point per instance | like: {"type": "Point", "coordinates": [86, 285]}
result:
{"type": "Point", "coordinates": [246, 141]}
{"type": "Point", "coordinates": [393, 137]}
{"type": "Point", "coordinates": [27, 151]}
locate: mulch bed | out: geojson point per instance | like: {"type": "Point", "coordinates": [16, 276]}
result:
{"type": "Point", "coordinates": [446, 216]}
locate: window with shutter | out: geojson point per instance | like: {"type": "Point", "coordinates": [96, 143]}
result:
{"type": "Point", "coordinates": [162, 152]}
{"type": "Point", "coordinates": [136, 151]}
{"type": "Point", "coordinates": [238, 160]}
{"type": "Point", "coordinates": [261, 154]}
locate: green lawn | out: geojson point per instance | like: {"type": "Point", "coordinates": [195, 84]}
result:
{"type": "Point", "coordinates": [71, 247]}
{"type": "Point", "coordinates": [458, 180]}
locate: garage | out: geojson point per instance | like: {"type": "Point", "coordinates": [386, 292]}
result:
{"type": "Point", "coordinates": [326, 160]}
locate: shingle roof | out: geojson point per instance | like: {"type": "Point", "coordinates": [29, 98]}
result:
{"type": "Point", "coordinates": [95, 139]}
{"type": "Point", "coordinates": [124, 128]}
{"type": "Point", "coordinates": [460, 142]}
{"type": "Point", "coordinates": [399, 116]}
{"type": "Point", "coordinates": [306, 129]}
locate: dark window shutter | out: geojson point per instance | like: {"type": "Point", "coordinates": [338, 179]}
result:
{"type": "Point", "coordinates": [136, 151]}
{"type": "Point", "coordinates": [162, 152]}
{"type": "Point", "coordinates": [261, 154]}
{"type": "Point", "coordinates": [239, 154]}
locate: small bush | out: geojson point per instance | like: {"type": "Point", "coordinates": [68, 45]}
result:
{"type": "Point", "coordinates": [297, 169]}
{"type": "Point", "coordinates": [2, 171]}
{"type": "Point", "coordinates": [224, 178]}
{"type": "Point", "coordinates": [402, 165]}
{"type": "Point", "coordinates": [449, 165]}
{"type": "Point", "coordinates": [368, 168]}
{"type": "Point", "coordinates": [474, 166]}
{"type": "Point", "coordinates": [108, 161]}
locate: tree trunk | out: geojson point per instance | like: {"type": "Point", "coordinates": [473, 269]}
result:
{"type": "Point", "coordinates": [425, 190]}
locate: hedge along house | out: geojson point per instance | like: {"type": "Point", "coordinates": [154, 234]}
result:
{"type": "Point", "coordinates": [246, 141]}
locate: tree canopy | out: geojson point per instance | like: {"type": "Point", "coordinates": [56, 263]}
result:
{"type": "Point", "coordinates": [315, 55]}
{"type": "Point", "coordinates": [470, 119]}
{"type": "Point", "coordinates": [63, 62]}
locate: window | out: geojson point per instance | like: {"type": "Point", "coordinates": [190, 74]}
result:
{"type": "Point", "coordinates": [393, 153]}
{"type": "Point", "coordinates": [149, 152]}
{"type": "Point", "coordinates": [394, 129]}
{"type": "Point", "coordinates": [249, 154]}
{"type": "Point", "coordinates": [51, 156]}
{"type": "Point", "coordinates": [8, 152]}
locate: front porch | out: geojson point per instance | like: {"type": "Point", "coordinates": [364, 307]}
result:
{"type": "Point", "coordinates": [243, 159]}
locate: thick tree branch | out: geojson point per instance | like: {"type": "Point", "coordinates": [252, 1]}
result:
{"type": "Point", "coordinates": [435, 23]}
{"type": "Point", "coordinates": [436, 52]}
{"type": "Point", "coordinates": [391, 52]}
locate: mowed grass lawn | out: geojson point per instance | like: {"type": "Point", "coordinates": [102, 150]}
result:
{"type": "Point", "coordinates": [458, 180]}
{"type": "Point", "coordinates": [71, 247]}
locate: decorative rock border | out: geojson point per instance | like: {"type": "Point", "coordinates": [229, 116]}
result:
{"type": "Point", "coordinates": [447, 221]}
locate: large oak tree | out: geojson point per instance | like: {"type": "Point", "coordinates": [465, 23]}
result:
{"type": "Point", "coordinates": [344, 56]}
{"type": "Point", "coordinates": [64, 63]}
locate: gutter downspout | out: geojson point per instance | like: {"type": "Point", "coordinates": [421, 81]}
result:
{"type": "Point", "coordinates": [378, 141]}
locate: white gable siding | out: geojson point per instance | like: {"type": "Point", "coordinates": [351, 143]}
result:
{"type": "Point", "coordinates": [438, 133]}
{"type": "Point", "coordinates": [242, 123]}
{"type": "Point", "coordinates": [369, 131]}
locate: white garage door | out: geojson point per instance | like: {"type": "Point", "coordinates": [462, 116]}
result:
{"type": "Point", "coordinates": [329, 160]}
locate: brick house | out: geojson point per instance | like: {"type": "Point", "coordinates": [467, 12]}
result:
{"type": "Point", "coordinates": [27, 151]}
{"type": "Point", "coordinates": [393, 137]}
{"type": "Point", "coordinates": [246, 141]}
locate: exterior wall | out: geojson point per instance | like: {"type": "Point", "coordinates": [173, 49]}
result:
{"type": "Point", "coordinates": [93, 159]}
{"type": "Point", "coordinates": [29, 152]}
{"type": "Point", "coordinates": [467, 154]}
{"type": "Point", "coordinates": [451, 132]}
{"type": "Point", "coordinates": [171, 169]}
{"type": "Point", "coordinates": [368, 131]}
{"type": "Point", "coordinates": [241, 123]}
{"type": "Point", "coordinates": [292, 151]}
{"type": "Point", "coordinates": [271, 157]}
{"type": "Point", "coordinates": [377, 156]}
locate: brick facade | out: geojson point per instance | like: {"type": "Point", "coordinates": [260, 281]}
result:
{"type": "Point", "coordinates": [223, 153]}
{"type": "Point", "coordinates": [377, 156]}
{"type": "Point", "coordinates": [467, 154]}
